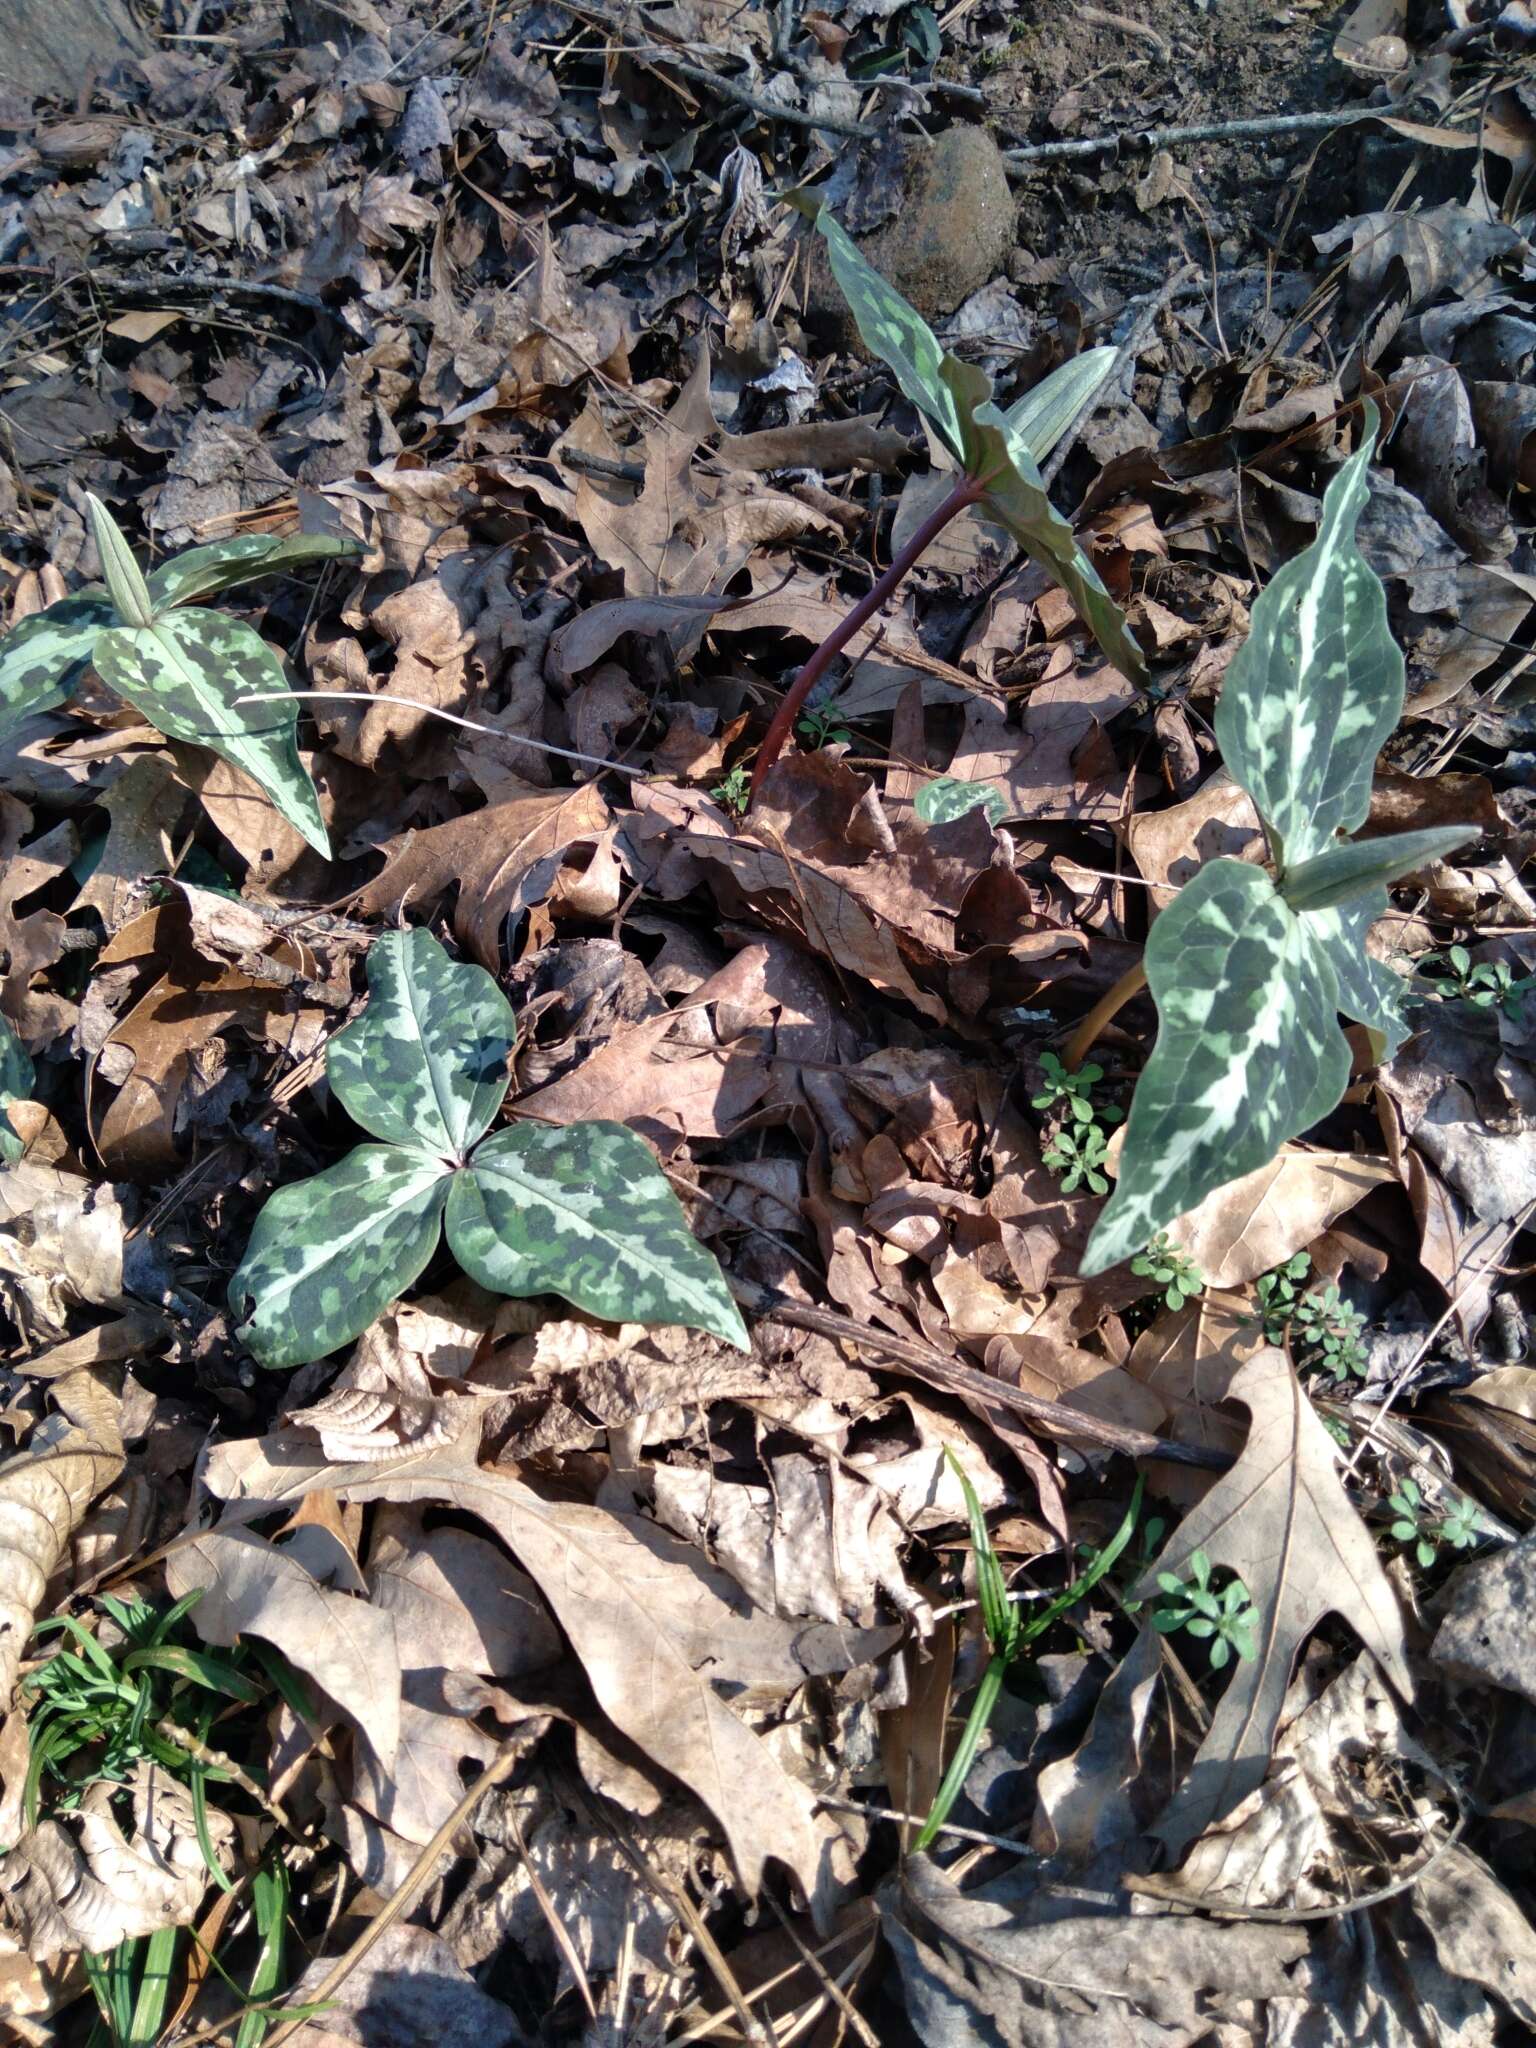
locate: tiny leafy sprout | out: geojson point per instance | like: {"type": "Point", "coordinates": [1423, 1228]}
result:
{"type": "Point", "coordinates": [1076, 1154]}
{"type": "Point", "coordinates": [1074, 1091]}
{"type": "Point", "coordinates": [1452, 976]}
{"type": "Point", "coordinates": [736, 789]}
{"type": "Point", "coordinates": [822, 726]}
{"type": "Point", "coordinates": [190, 672]}
{"type": "Point", "coordinates": [579, 1210]}
{"type": "Point", "coordinates": [1226, 1619]}
{"type": "Point", "coordinates": [1172, 1270]}
{"type": "Point", "coordinates": [1278, 1292]}
{"type": "Point", "coordinates": [1329, 1332]}
{"type": "Point", "coordinates": [1414, 1523]}
{"type": "Point", "coordinates": [1250, 970]}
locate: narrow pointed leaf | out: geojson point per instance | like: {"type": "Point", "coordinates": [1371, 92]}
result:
{"type": "Point", "coordinates": [15, 1086]}
{"type": "Point", "coordinates": [889, 328]}
{"type": "Point", "coordinates": [329, 1255]}
{"type": "Point", "coordinates": [1317, 687]}
{"type": "Point", "coordinates": [204, 572]}
{"type": "Point", "coordinates": [120, 572]}
{"type": "Point", "coordinates": [1249, 1051]}
{"type": "Point", "coordinates": [43, 658]}
{"type": "Point", "coordinates": [583, 1211]}
{"type": "Point", "coordinates": [1348, 870]}
{"type": "Point", "coordinates": [951, 796]}
{"type": "Point", "coordinates": [190, 674]}
{"type": "Point", "coordinates": [1016, 498]}
{"type": "Point", "coordinates": [1043, 415]}
{"type": "Point", "coordinates": [425, 1065]}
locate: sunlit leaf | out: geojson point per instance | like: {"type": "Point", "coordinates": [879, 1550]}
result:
{"type": "Point", "coordinates": [583, 1211]}
{"type": "Point", "coordinates": [1043, 415]}
{"type": "Point", "coordinates": [328, 1255]}
{"type": "Point", "coordinates": [190, 675]}
{"type": "Point", "coordinates": [1348, 870]}
{"type": "Point", "coordinates": [1312, 694]}
{"type": "Point", "coordinates": [43, 659]}
{"type": "Point", "coordinates": [1249, 1051]}
{"type": "Point", "coordinates": [123, 576]}
{"type": "Point", "coordinates": [890, 328]}
{"type": "Point", "coordinates": [426, 1063]}
{"type": "Point", "coordinates": [15, 1086]}
{"type": "Point", "coordinates": [203, 572]}
{"type": "Point", "coordinates": [950, 796]}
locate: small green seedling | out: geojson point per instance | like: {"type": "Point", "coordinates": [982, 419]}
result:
{"type": "Point", "coordinates": [1172, 1270]}
{"type": "Point", "coordinates": [1074, 1091]}
{"type": "Point", "coordinates": [1007, 1635]}
{"type": "Point", "coordinates": [997, 455]}
{"type": "Point", "coordinates": [1076, 1153]}
{"type": "Point", "coordinates": [823, 727]}
{"type": "Point", "coordinates": [16, 1078]}
{"type": "Point", "coordinates": [1461, 1526]}
{"type": "Point", "coordinates": [194, 674]}
{"type": "Point", "coordinates": [1451, 976]}
{"type": "Point", "coordinates": [735, 792]}
{"type": "Point", "coordinates": [1250, 970]}
{"type": "Point", "coordinates": [579, 1210]}
{"type": "Point", "coordinates": [1226, 1619]}
{"type": "Point", "coordinates": [1329, 1332]}
{"type": "Point", "coordinates": [1279, 1291]}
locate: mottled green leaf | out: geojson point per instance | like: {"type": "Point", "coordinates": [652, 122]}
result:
{"type": "Point", "coordinates": [949, 796]}
{"type": "Point", "coordinates": [1016, 498]}
{"type": "Point", "coordinates": [190, 674]}
{"type": "Point", "coordinates": [329, 1255]}
{"type": "Point", "coordinates": [204, 572]}
{"type": "Point", "coordinates": [122, 574]}
{"type": "Point", "coordinates": [1314, 691]}
{"type": "Point", "coordinates": [583, 1211]}
{"type": "Point", "coordinates": [43, 658]}
{"type": "Point", "coordinates": [426, 1063]}
{"type": "Point", "coordinates": [889, 328]}
{"type": "Point", "coordinates": [1348, 870]}
{"type": "Point", "coordinates": [16, 1078]}
{"type": "Point", "coordinates": [1249, 1050]}
{"type": "Point", "coordinates": [1043, 415]}
{"type": "Point", "coordinates": [1369, 992]}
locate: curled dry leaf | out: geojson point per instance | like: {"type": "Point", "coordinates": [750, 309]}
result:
{"type": "Point", "coordinates": [43, 1495]}
{"type": "Point", "coordinates": [1282, 1521]}
{"type": "Point", "coordinates": [82, 1883]}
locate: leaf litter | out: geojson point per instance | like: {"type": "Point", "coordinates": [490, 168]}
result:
{"type": "Point", "coordinates": [495, 319]}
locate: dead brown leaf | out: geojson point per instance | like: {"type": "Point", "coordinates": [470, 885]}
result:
{"type": "Point", "coordinates": [1258, 1222]}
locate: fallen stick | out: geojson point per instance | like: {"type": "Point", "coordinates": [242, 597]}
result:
{"type": "Point", "coordinates": [1131, 139]}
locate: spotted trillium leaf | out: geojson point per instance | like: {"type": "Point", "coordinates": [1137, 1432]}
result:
{"type": "Point", "coordinates": [889, 328]}
{"type": "Point", "coordinates": [328, 1255]}
{"type": "Point", "coordinates": [1347, 870]}
{"type": "Point", "coordinates": [190, 674]}
{"type": "Point", "coordinates": [950, 796]}
{"type": "Point", "coordinates": [120, 572]}
{"type": "Point", "coordinates": [582, 1210]}
{"type": "Point", "coordinates": [1043, 415]}
{"type": "Point", "coordinates": [1311, 696]}
{"type": "Point", "coordinates": [204, 572]}
{"type": "Point", "coordinates": [15, 1086]}
{"type": "Point", "coordinates": [425, 1066]}
{"type": "Point", "coordinates": [43, 659]}
{"type": "Point", "coordinates": [1249, 1051]}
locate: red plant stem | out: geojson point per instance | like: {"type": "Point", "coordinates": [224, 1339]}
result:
{"type": "Point", "coordinates": [966, 492]}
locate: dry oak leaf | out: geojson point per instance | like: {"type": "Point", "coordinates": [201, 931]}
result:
{"type": "Point", "coordinates": [1282, 1521]}
{"type": "Point", "coordinates": [1257, 1222]}
{"type": "Point", "coordinates": [605, 1577]}
{"type": "Point", "coordinates": [501, 859]}
{"type": "Point", "coordinates": [43, 1495]}
{"type": "Point", "coordinates": [81, 1883]}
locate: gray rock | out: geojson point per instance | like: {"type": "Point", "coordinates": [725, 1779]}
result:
{"type": "Point", "coordinates": [1485, 1635]}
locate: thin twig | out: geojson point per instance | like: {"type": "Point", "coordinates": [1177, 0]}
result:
{"type": "Point", "coordinates": [495, 732]}
{"type": "Point", "coordinates": [1133, 139]}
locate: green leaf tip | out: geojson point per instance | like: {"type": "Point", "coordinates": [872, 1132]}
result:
{"type": "Point", "coordinates": [578, 1210]}
{"type": "Point", "coordinates": [122, 574]}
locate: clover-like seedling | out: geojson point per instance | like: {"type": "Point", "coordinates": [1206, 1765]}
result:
{"type": "Point", "coordinates": [1076, 1153]}
{"type": "Point", "coordinates": [1073, 1090]}
{"type": "Point", "coordinates": [1278, 1291]}
{"type": "Point", "coordinates": [579, 1210]}
{"type": "Point", "coordinates": [193, 674]}
{"type": "Point", "coordinates": [996, 455]}
{"type": "Point", "coordinates": [16, 1076]}
{"type": "Point", "coordinates": [1329, 1331]}
{"type": "Point", "coordinates": [1249, 969]}
{"type": "Point", "coordinates": [1226, 1619]}
{"type": "Point", "coordinates": [1172, 1270]}
{"type": "Point", "coordinates": [1451, 975]}
{"type": "Point", "coordinates": [1461, 1526]}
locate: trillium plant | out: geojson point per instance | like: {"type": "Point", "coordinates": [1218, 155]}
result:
{"type": "Point", "coordinates": [996, 455]}
{"type": "Point", "coordinates": [579, 1210]}
{"type": "Point", "coordinates": [194, 674]}
{"type": "Point", "coordinates": [1250, 967]}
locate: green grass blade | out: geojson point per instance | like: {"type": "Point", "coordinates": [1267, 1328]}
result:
{"type": "Point", "coordinates": [199, 1782]}
{"type": "Point", "coordinates": [953, 1781]}
{"type": "Point", "coordinates": [269, 1900]}
{"type": "Point", "coordinates": [197, 1668]}
{"type": "Point", "coordinates": [154, 1988]}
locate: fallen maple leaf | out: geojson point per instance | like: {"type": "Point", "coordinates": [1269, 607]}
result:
{"type": "Point", "coordinates": [1282, 1521]}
